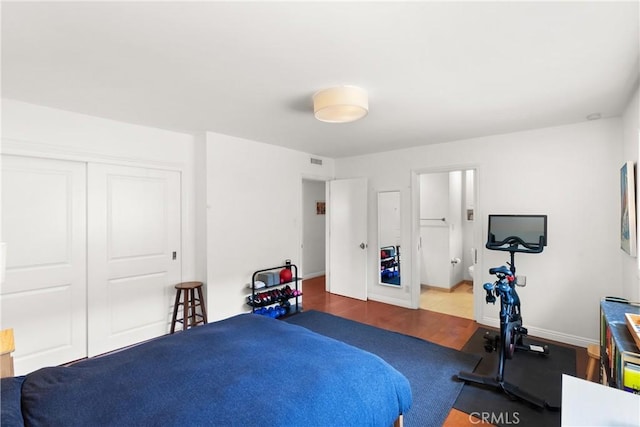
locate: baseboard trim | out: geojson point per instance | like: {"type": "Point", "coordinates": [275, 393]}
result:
{"type": "Point", "coordinates": [390, 300]}
{"type": "Point", "coordinates": [545, 334]}
{"type": "Point", "coordinates": [447, 290]}
{"type": "Point", "coordinates": [313, 275]}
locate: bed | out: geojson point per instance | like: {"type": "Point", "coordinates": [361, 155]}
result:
{"type": "Point", "coordinates": [246, 370]}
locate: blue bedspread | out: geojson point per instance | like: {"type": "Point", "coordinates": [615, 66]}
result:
{"type": "Point", "coordinates": [247, 370]}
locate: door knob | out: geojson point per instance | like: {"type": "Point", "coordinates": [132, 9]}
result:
{"type": "Point", "coordinates": [362, 246]}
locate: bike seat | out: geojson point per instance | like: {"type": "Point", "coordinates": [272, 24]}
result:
{"type": "Point", "coordinates": [503, 269]}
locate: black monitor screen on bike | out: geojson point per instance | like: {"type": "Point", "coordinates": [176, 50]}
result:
{"type": "Point", "coordinates": [524, 233]}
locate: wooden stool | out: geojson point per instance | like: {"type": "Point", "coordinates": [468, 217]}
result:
{"type": "Point", "coordinates": [189, 304]}
{"type": "Point", "coordinates": [593, 351]}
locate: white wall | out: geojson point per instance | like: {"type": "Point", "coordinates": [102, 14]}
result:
{"type": "Point", "coordinates": [33, 130]}
{"type": "Point", "coordinates": [434, 203]}
{"type": "Point", "coordinates": [241, 207]}
{"type": "Point", "coordinates": [254, 204]}
{"type": "Point", "coordinates": [200, 205]}
{"type": "Point", "coordinates": [314, 227]}
{"type": "Point", "coordinates": [467, 225]}
{"type": "Point", "coordinates": [569, 173]}
{"type": "Point", "coordinates": [455, 228]}
{"type": "Point", "coordinates": [441, 196]}
{"type": "Point", "coordinates": [631, 140]}
{"type": "Point", "coordinates": [435, 262]}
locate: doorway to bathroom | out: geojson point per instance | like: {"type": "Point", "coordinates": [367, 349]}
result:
{"type": "Point", "coordinates": [448, 250]}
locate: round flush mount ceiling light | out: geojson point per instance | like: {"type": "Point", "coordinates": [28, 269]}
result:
{"type": "Point", "coordinates": [341, 104]}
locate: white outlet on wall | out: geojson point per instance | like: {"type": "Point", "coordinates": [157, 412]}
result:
{"type": "Point", "coordinates": [521, 280]}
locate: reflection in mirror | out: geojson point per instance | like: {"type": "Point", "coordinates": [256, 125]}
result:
{"type": "Point", "coordinates": [389, 237]}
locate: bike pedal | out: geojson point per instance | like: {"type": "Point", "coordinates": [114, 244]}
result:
{"type": "Point", "coordinates": [539, 349]}
{"type": "Point", "coordinates": [521, 330]}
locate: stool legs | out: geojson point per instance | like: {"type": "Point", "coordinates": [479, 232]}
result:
{"type": "Point", "coordinates": [202, 306]}
{"type": "Point", "coordinates": [185, 309]}
{"type": "Point", "coordinates": [591, 369]}
{"type": "Point", "coordinates": [190, 303]}
{"type": "Point", "coordinates": [592, 366]}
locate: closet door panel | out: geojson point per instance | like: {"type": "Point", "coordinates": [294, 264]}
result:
{"type": "Point", "coordinates": [125, 296]}
{"type": "Point", "coordinates": [43, 297]}
{"type": "Point", "coordinates": [44, 323]}
{"type": "Point", "coordinates": [134, 230]}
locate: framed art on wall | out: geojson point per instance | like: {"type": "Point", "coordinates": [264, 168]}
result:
{"type": "Point", "coordinates": [628, 209]}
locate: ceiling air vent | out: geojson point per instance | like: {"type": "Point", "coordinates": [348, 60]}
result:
{"type": "Point", "coordinates": [316, 161]}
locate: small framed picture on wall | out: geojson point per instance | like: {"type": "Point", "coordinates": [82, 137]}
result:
{"type": "Point", "coordinates": [320, 208]}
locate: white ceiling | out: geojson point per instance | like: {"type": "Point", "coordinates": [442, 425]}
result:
{"type": "Point", "coordinates": [435, 71]}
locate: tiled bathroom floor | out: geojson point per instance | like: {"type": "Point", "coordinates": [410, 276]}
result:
{"type": "Point", "coordinates": [457, 303]}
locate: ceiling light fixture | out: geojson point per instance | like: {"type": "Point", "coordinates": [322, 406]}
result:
{"type": "Point", "coordinates": [341, 104]}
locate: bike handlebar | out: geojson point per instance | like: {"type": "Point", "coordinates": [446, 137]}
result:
{"type": "Point", "coordinates": [503, 269]}
{"type": "Point", "coordinates": [516, 244]}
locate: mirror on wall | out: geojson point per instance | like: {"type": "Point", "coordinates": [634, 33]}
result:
{"type": "Point", "coordinates": [389, 237]}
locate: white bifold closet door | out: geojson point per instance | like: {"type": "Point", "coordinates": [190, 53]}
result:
{"type": "Point", "coordinates": [134, 254]}
{"type": "Point", "coordinates": [92, 257]}
{"type": "Point", "coordinates": [43, 297]}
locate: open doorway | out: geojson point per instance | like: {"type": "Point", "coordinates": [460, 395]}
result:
{"type": "Point", "coordinates": [447, 256]}
{"type": "Point", "coordinates": [313, 228]}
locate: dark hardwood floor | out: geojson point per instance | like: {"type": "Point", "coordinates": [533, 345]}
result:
{"type": "Point", "coordinates": [449, 331]}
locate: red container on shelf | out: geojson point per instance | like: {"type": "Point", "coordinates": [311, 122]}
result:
{"type": "Point", "coordinates": [285, 275]}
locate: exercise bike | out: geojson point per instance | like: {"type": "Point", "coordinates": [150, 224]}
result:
{"type": "Point", "coordinates": [511, 329]}
{"type": "Point", "coordinates": [504, 288]}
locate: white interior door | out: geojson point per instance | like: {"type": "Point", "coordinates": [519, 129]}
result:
{"type": "Point", "coordinates": [134, 254]}
{"type": "Point", "coordinates": [43, 297]}
{"type": "Point", "coordinates": [347, 218]}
